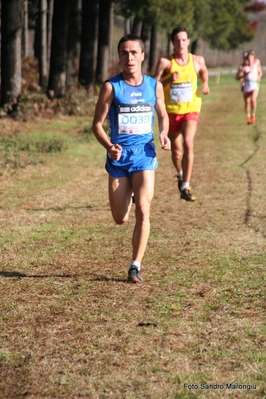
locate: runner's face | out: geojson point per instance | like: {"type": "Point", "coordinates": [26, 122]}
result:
{"type": "Point", "coordinates": [131, 56]}
{"type": "Point", "coordinates": [251, 59]}
{"type": "Point", "coordinates": [181, 42]}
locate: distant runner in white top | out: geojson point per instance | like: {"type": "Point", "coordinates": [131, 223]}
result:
{"type": "Point", "coordinates": [251, 73]}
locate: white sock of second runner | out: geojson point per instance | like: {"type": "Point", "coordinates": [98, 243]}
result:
{"type": "Point", "coordinates": [135, 263]}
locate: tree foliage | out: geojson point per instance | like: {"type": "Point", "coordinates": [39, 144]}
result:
{"type": "Point", "coordinates": [223, 25]}
{"type": "Point", "coordinates": [162, 13]}
{"type": "Point", "coordinates": [228, 26]}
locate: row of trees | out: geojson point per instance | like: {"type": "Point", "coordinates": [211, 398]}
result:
{"type": "Point", "coordinates": [74, 37]}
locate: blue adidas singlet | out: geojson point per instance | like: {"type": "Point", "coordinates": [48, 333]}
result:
{"type": "Point", "coordinates": [131, 115]}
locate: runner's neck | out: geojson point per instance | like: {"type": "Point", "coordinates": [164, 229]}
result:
{"type": "Point", "coordinates": [182, 59]}
{"type": "Point", "coordinates": [132, 80]}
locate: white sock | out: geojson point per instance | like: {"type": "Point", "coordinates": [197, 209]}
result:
{"type": "Point", "coordinates": [135, 263]}
{"type": "Point", "coordinates": [180, 174]}
{"type": "Point", "coordinates": [184, 185]}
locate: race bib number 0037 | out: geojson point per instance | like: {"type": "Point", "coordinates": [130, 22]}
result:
{"type": "Point", "coordinates": [135, 119]}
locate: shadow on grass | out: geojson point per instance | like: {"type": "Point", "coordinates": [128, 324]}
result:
{"type": "Point", "coordinates": [23, 275]}
{"type": "Point", "coordinates": [58, 208]}
{"type": "Point", "coordinates": [105, 278]}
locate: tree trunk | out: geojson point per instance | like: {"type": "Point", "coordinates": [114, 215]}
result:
{"type": "Point", "coordinates": [137, 26]}
{"type": "Point", "coordinates": [194, 46]}
{"type": "Point", "coordinates": [111, 34]}
{"type": "Point", "coordinates": [88, 42]}
{"type": "Point", "coordinates": [43, 63]}
{"type": "Point", "coordinates": [25, 30]}
{"type": "Point", "coordinates": [72, 43]}
{"type": "Point", "coordinates": [127, 26]}
{"type": "Point", "coordinates": [49, 30]}
{"type": "Point", "coordinates": [37, 33]}
{"type": "Point", "coordinates": [103, 41]}
{"type": "Point", "coordinates": [155, 48]}
{"type": "Point", "coordinates": [146, 37]}
{"type": "Point", "coordinates": [57, 75]}
{"type": "Point", "coordinates": [11, 30]}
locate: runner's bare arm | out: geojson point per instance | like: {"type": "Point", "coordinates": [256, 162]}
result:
{"type": "Point", "coordinates": [240, 73]}
{"type": "Point", "coordinates": [162, 68]}
{"type": "Point", "coordinates": [202, 70]}
{"type": "Point", "coordinates": [163, 119]}
{"type": "Point", "coordinates": [260, 73]}
{"type": "Point", "coordinates": [101, 111]}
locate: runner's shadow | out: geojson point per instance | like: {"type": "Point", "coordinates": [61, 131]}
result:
{"type": "Point", "coordinates": [59, 208]}
{"type": "Point", "coordinates": [23, 275]}
{"type": "Point", "coordinates": [105, 278]}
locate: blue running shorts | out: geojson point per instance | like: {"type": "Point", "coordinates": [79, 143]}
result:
{"type": "Point", "coordinates": [133, 159]}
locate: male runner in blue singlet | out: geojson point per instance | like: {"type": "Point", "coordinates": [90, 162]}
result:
{"type": "Point", "coordinates": [128, 100]}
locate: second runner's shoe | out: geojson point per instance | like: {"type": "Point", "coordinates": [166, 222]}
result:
{"type": "Point", "coordinates": [187, 195]}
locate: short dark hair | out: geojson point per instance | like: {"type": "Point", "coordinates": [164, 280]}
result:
{"type": "Point", "coordinates": [178, 30]}
{"type": "Point", "coordinates": [130, 37]}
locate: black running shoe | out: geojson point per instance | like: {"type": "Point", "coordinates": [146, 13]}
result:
{"type": "Point", "coordinates": [179, 182]}
{"type": "Point", "coordinates": [134, 275]}
{"type": "Point", "coordinates": [186, 194]}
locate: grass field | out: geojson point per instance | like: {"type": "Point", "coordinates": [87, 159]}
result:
{"type": "Point", "coordinates": [70, 325]}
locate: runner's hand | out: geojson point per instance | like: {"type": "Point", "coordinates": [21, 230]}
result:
{"type": "Point", "coordinates": [165, 141]}
{"type": "Point", "coordinates": [115, 151]}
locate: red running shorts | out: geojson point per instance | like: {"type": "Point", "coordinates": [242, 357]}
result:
{"type": "Point", "coordinates": [176, 121]}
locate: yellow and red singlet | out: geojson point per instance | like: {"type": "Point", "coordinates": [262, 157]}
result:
{"type": "Point", "coordinates": [182, 95]}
